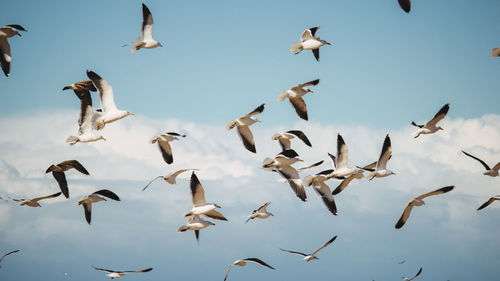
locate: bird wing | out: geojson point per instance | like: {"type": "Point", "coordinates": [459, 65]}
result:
{"type": "Point", "coordinates": [197, 235]}
{"type": "Point", "coordinates": [86, 112]}
{"type": "Point", "coordinates": [166, 151]}
{"type": "Point", "coordinates": [301, 136]}
{"type": "Point", "coordinates": [294, 252]}
{"type": "Point", "coordinates": [487, 203]}
{"type": "Point", "coordinates": [138, 271]}
{"type": "Point", "coordinates": [334, 160]}
{"type": "Point", "coordinates": [440, 115]}
{"type": "Point", "coordinates": [416, 275]}
{"type": "Point", "coordinates": [105, 270]}
{"type": "Point", "coordinates": [343, 184]}
{"type": "Point", "coordinates": [300, 107]}
{"type": "Point", "coordinates": [258, 261]}
{"type": "Point", "coordinates": [246, 137]}
{"type": "Point", "coordinates": [227, 272]}
{"type": "Point", "coordinates": [258, 110]}
{"type": "Point", "coordinates": [405, 5]}
{"type": "Point", "coordinates": [215, 215]}
{"type": "Point", "coordinates": [385, 155]}
{"type": "Point", "coordinates": [310, 83]}
{"type": "Point", "coordinates": [197, 192]}
{"type": "Point", "coordinates": [175, 174]}
{"type": "Point", "coordinates": [406, 213]}
{"type": "Point", "coordinates": [63, 184]}
{"type": "Point", "coordinates": [107, 193]}
{"type": "Point", "coordinates": [46, 197]}
{"type": "Point", "coordinates": [316, 53]}
{"type": "Point", "coordinates": [284, 143]}
{"type": "Point", "coordinates": [342, 153]}
{"type": "Point", "coordinates": [5, 55]}
{"type": "Point", "coordinates": [311, 166]}
{"type": "Point", "coordinates": [480, 161]}
{"type": "Point", "coordinates": [324, 191]}
{"type": "Point", "coordinates": [326, 244]}
{"type": "Point", "coordinates": [293, 179]}
{"type": "Point", "coordinates": [437, 191]}
{"type": "Point", "coordinates": [105, 90]}
{"type": "Point", "coordinates": [68, 164]}
{"type": "Point", "coordinates": [15, 251]}
{"type": "Point", "coordinates": [87, 209]}
{"type": "Point", "coordinates": [151, 182]}
{"type": "Point", "coordinates": [416, 125]}
{"type": "Point", "coordinates": [308, 34]}
{"type": "Point", "coordinates": [147, 24]}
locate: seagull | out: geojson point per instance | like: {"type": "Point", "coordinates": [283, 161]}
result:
{"type": "Point", "coordinates": [170, 178]}
{"type": "Point", "coordinates": [243, 124]}
{"type": "Point", "coordinates": [495, 52]}
{"type": "Point", "coordinates": [418, 201]}
{"type": "Point", "coordinates": [117, 274]}
{"type": "Point", "coordinates": [1, 259]}
{"type": "Point", "coordinates": [487, 203]}
{"type": "Point", "coordinates": [164, 146]}
{"type": "Point", "coordinates": [34, 202]}
{"type": "Point", "coordinates": [359, 175]}
{"type": "Point", "coordinates": [200, 206]}
{"type": "Point", "coordinates": [340, 162]}
{"type": "Point", "coordinates": [260, 213]}
{"type": "Point", "coordinates": [309, 42]}
{"type": "Point", "coordinates": [295, 94]}
{"type": "Point", "coordinates": [195, 223]}
{"type": "Point", "coordinates": [416, 275]}
{"type": "Point", "coordinates": [85, 130]}
{"type": "Point", "coordinates": [430, 127]}
{"type": "Point", "coordinates": [108, 112]}
{"type": "Point", "coordinates": [7, 32]}
{"type": "Point", "coordinates": [310, 257]}
{"type": "Point", "coordinates": [146, 40]}
{"type": "Point", "coordinates": [380, 169]}
{"type": "Point", "coordinates": [281, 164]}
{"type": "Point", "coordinates": [318, 183]}
{"type": "Point", "coordinates": [243, 262]}
{"type": "Point", "coordinates": [284, 138]}
{"type": "Point", "coordinates": [492, 172]}
{"type": "Point", "coordinates": [58, 173]}
{"type": "Point", "coordinates": [405, 5]}
{"type": "Point", "coordinates": [95, 197]}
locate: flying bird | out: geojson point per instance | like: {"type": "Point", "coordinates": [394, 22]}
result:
{"type": "Point", "coordinates": [495, 52]}
{"type": "Point", "coordinates": [85, 124]}
{"type": "Point", "coordinates": [7, 32]}
{"type": "Point", "coordinates": [95, 197]}
{"type": "Point", "coordinates": [487, 203]}
{"type": "Point", "coordinates": [108, 112]}
{"type": "Point", "coordinates": [34, 202]}
{"type": "Point", "coordinates": [284, 138]}
{"type": "Point", "coordinates": [492, 172]}
{"type": "Point", "coordinates": [242, 125]}
{"type": "Point", "coordinates": [359, 175]}
{"type": "Point", "coordinates": [309, 42]}
{"type": "Point", "coordinates": [170, 178]}
{"type": "Point", "coordinates": [243, 262]}
{"type": "Point", "coordinates": [318, 183]}
{"type": "Point", "coordinates": [416, 275]}
{"type": "Point", "coordinates": [281, 164]}
{"type": "Point", "coordinates": [418, 201]}
{"type": "Point", "coordinates": [118, 274]}
{"type": "Point", "coordinates": [146, 40]}
{"type": "Point", "coordinates": [405, 5]}
{"type": "Point", "coordinates": [9, 253]}
{"type": "Point", "coordinates": [430, 127]}
{"type": "Point", "coordinates": [195, 223]}
{"type": "Point", "coordinates": [381, 167]}
{"type": "Point", "coordinates": [340, 162]}
{"type": "Point", "coordinates": [260, 213]}
{"type": "Point", "coordinates": [310, 257]}
{"type": "Point", "coordinates": [294, 95]}
{"type": "Point", "coordinates": [164, 146]}
{"type": "Point", "coordinates": [200, 206]}
{"type": "Point", "coordinates": [58, 173]}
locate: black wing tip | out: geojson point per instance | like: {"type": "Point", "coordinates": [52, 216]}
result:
{"type": "Point", "coordinates": [447, 188]}
{"type": "Point", "coordinates": [18, 27]}
{"type": "Point", "coordinates": [315, 82]}
{"type": "Point", "coordinates": [399, 224]}
{"type": "Point", "coordinates": [290, 153]}
{"type": "Point", "coordinates": [92, 75]}
{"type": "Point", "coordinates": [147, 269]}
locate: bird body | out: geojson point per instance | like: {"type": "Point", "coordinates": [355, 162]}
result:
{"type": "Point", "coordinates": [58, 173]}
{"type": "Point", "coordinates": [145, 41]}
{"type": "Point", "coordinates": [381, 167]}
{"type": "Point", "coordinates": [295, 94]}
{"type": "Point", "coordinates": [260, 213]}
{"type": "Point", "coordinates": [242, 124]}
{"type": "Point", "coordinates": [87, 201]}
{"type": "Point", "coordinates": [7, 31]}
{"type": "Point", "coordinates": [195, 223]}
{"type": "Point", "coordinates": [284, 138]}
{"type": "Point", "coordinates": [200, 206]}
{"type": "Point", "coordinates": [164, 146]}
{"type": "Point", "coordinates": [281, 164]}
{"type": "Point", "coordinates": [431, 126]}
{"type": "Point", "coordinates": [309, 42]}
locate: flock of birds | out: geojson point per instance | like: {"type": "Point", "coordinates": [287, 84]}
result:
{"type": "Point", "coordinates": [91, 122]}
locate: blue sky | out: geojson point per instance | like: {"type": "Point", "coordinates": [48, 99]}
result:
{"type": "Point", "coordinates": [220, 60]}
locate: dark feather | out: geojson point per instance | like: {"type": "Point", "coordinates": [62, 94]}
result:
{"type": "Point", "coordinates": [17, 26]}
{"type": "Point", "coordinates": [63, 184]}
{"type": "Point", "coordinates": [301, 136]}
{"type": "Point", "coordinates": [290, 153]}
{"type": "Point", "coordinates": [405, 5]}
{"type": "Point", "coordinates": [316, 54]}
{"type": "Point", "coordinates": [108, 193]}
{"type": "Point", "coordinates": [313, 30]}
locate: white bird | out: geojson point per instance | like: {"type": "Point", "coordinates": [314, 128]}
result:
{"type": "Point", "coordinates": [7, 32]}
{"type": "Point", "coordinates": [487, 203]}
{"type": "Point", "coordinates": [9, 253]}
{"type": "Point", "coordinates": [281, 164]}
{"type": "Point", "coordinates": [108, 112]}
{"type": "Point", "coordinates": [34, 202]}
{"type": "Point", "coordinates": [195, 223]}
{"type": "Point", "coordinates": [58, 173]}
{"type": "Point", "coordinates": [243, 124]}
{"type": "Point", "coordinates": [430, 127]}
{"type": "Point", "coordinates": [381, 167]}
{"type": "Point", "coordinates": [260, 213]}
{"type": "Point", "coordinates": [309, 42]}
{"type": "Point", "coordinates": [164, 146]}
{"type": "Point", "coordinates": [170, 178]}
{"type": "Point", "coordinates": [495, 52]}
{"type": "Point", "coordinates": [295, 94]}
{"type": "Point", "coordinates": [405, 5]}
{"type": "Point", "coordinates": [418, 201]}
{"type": "Point", "coordinates": [146, 40]}
{"type": "Point", "coordinates": [340, 162]}
{"type": "Point", "coordinates": [416, 275]}
{"type": "Point", "coordinates": [200, 206]}
{"type": "Point", "coordinates": [310, 257]}
{"type": "Point", "coordinates": [85, 125]}
{"type": "Point", "coordinates": [318, 183]}
{"type": "Point", "coordinates": [95, 197]}
{"type": "Point", "coordinates": [284, 138]}
{"type": "Point", "coordinates": [117, 274]}
{"type": "Point", "coordinates": [492, 172]}
{"type": "Point", "coordinates": [243, 262]}
{"type": "Point", "coordinates": [359, 175]}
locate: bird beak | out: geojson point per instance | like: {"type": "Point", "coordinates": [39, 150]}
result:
{"type": "Point", "coordinates": [130, 113]}
{"type": "Point", "coordinates": [441, 128]}
{"type": "Point", "coordinates": [259, 121]}
{"type": "Point", "coordinates": [311, 91]}
{"type": "Point", "coordinates": [104, 139]}
{"type": "Point", "coordinates": [301, 160]}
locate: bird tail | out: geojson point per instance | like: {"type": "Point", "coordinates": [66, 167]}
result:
{"type": "Point", "coordinates": [282, 96]}
{"type": "Point", "coordinates": [231, 124]}
{"type": "Point", "coordinates": [308, 180]}
{"type": "Point", "coordinates": [296, 47]}
{"type": "Point", "coordinates": [72, 140]}
{"type": "Point", "coordinates": [136, 45]}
